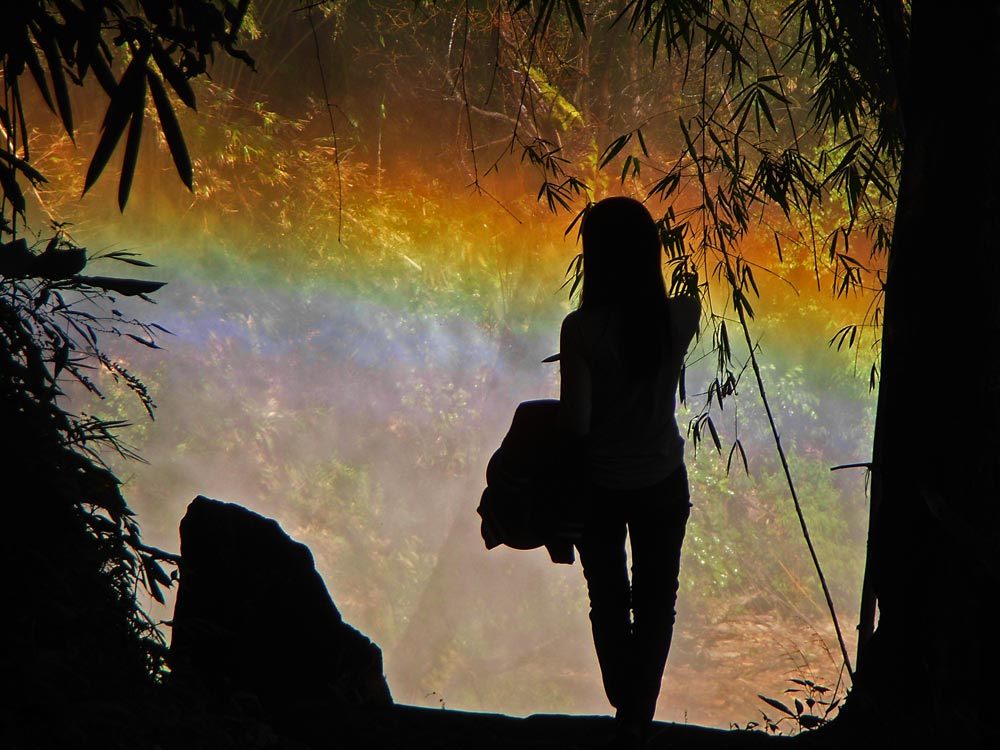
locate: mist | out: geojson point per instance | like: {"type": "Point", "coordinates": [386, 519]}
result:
{"type": "Point", "coordinates": [348, 344]}
{"type": "Point", "coordinates": [361, 417]}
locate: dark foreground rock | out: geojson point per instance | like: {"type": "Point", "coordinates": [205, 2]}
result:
{"type": "Point", "coordinates": [261, 659]}
{"type": "Point", "coordinates": [253, 618]}
{"type": "Point", "coordinates": [413, 728]}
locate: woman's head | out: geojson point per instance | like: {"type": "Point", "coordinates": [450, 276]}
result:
{"type": "Point", "coordinates": [621, 254]}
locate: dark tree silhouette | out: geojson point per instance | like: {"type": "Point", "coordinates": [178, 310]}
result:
{"type": "Point", "coordinates": [932, 559]}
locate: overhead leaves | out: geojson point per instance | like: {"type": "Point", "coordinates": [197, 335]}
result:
{"type": "Point", "coordinates": [129, 97]}
{"type": "Point", "coordinates": [59, 42]}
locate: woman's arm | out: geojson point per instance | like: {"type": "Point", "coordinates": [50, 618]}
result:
{"type": "Point", "coordinates": [685, 315]}
{"type": "Point", "coordinates": [574, 380]}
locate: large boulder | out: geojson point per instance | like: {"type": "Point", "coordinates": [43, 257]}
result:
{"type": "Point", "coordinates": [253, 616]}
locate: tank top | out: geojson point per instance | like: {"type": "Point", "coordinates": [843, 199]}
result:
{"type": "Point", "coordinates": [634, 441]}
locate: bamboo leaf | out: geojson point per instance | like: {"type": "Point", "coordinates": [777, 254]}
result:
{"type": "Point", "coordinates": [171, 130]}
{"type": "Point", "coordinates": [748, 276]}
{"type": "Point", "coordinates": [689, 144]}
{"type": "Point", "coordinates": [120, 109]}
{"type": "Point", "coordinates": [154, 590]}
{"type": "Point", "coordinates": [613, 148]}
{"type": "Point", "coordinates": [37, 72]}
{"type": "Point", "coordinates": [738, 448]}
{"type": "Point", "coordinates": [776, 704]}
{"type": "Point", "coordinates": [11, 190]}
{"type": "Point", "coordinates": [131, 156]}
{"type": "Point", "coordinates": [102, 71]}
{"type": "Point", "coordinates": [145, 342]}
{"type": "Point", "coordinates": [642, 142]}
{"type": "Point", "coordinates": [775, 93]}
{"type": "Point", "coordinates": [762, 106]}
{"type": "Point", "coordinates": [174, 76]}
{"type": "Point", "coordinates": [23, 167]}
{"type": "Point", "coordinates": [128, 287]}
{"type": "Point", "coordinates": [715, 434]}
{"type": "Point", "coordinates": [740, 301]}
{"type": "Point", "coordinates": [102, 154]}
{"type": "Point", "coordinates": [47, 41]}
{"type": "Point", "coordinates": [128, 257]}
{"type": "Point", "coordinates": [577, 220]}
{"type": "Point", "coordinates": [667, 185]}
{"type": "Point", "coordinates": [155, 571]}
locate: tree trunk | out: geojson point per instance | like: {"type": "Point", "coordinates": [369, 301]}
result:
{"type": "Point", "coordinates": [933, 551]}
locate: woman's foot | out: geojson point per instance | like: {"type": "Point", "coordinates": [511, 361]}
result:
{"type": "Point", "coordinates": [630, 734]}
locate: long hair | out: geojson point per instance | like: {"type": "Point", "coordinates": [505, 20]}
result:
{"type": "Point", "coordinates": [622, 269]}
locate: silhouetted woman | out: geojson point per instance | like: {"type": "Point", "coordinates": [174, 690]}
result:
{"type": "Point", "coordinates": [620, 359]}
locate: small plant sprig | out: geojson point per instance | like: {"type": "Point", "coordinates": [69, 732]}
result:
{"type": "Point", "coordinates": [809, 711]}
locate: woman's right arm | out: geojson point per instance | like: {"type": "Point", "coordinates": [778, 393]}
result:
{"type": "Point", "coordinates": [685, 315]}
{"type": "Point", "coordinates": [574, 380]}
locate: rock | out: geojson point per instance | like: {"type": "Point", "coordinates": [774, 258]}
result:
{"type": "Point", "coordinates": [253, 616]}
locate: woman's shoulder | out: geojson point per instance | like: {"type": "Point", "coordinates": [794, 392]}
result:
{"type": "Point", "coordinates": [582, 329]}
{"type": "Point", "coordinates": [590, 321]}
{"type": "Point", "coordinates": [583, 319]}
{"type": "Point", "coordinates": [570, 326]}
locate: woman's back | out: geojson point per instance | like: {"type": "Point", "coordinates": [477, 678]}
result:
{"type": "Point", "coordinates": [632, 435]}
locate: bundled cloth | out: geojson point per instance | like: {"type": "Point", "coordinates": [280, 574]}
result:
{"type": "Point", "coordinates": [533, 488]}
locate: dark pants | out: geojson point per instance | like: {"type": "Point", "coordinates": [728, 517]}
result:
{"type": "Point", "coordinates": [633, 624]}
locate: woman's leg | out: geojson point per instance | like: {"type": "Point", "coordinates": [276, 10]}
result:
{"type": "Point", "coordinates": [602, 555]}
{"type": "Point", "coordinates": [656, 525]}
